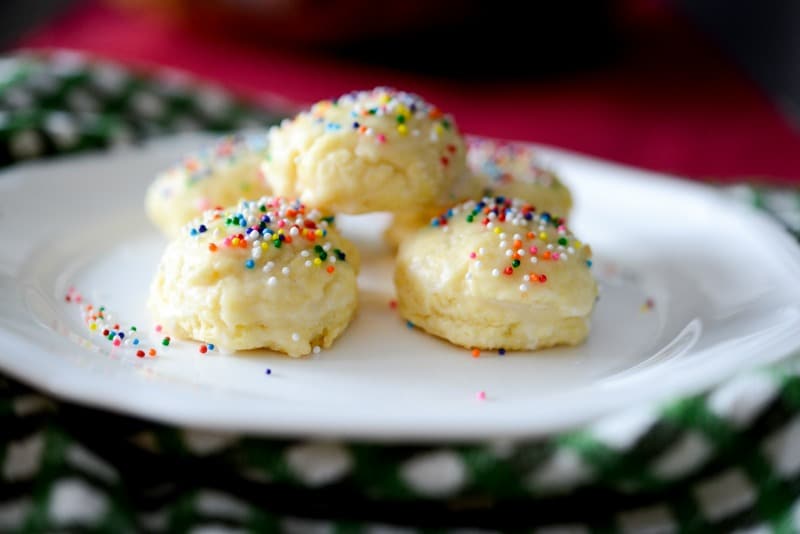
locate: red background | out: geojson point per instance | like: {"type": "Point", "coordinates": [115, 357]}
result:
{"type": "Point", "coordinates": [673, 103]}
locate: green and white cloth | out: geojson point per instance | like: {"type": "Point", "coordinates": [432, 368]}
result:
{"type": "Point", "coordinates": [723, 460]}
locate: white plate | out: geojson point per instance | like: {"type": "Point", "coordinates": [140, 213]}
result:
{"type": "Point", "coordinates": [723, 280]}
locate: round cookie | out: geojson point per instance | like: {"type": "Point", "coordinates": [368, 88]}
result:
{"type": "Point", "coordinates": [494, 274]}
{"type": "Point", "coordinates": [497, 168]}
{"type": "Point", "coordinates": [269, 273]}
{"type": "Point", "coordinates": [378, 150]}
{"type": "Point", "coordinates": [515, 170]}
{"type": "Point", "coordinates": [218, 175]}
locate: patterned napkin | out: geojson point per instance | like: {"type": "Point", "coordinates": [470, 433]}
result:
{"type": "Point", "coordinates": [722, 460]}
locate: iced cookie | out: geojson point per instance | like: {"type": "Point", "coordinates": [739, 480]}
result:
{"type": "Point", "coordinates": [516, 170]}
{"type": "Point", "coordinates": [268, 273]}
{"type": "Point", "coordinates": [497, 168]}
{"type": "Point", "coordinates": [494, 274]}
{"type": "Point", "coordinates": [218, 175]}
{"type": "Point", "coordinates": [378, 150]}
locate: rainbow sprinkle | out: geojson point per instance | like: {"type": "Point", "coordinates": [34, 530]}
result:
{"type": "Point", "coordinates": [260, 231]}
{"type": "Point", "coordinates": [203, 164]}
{"type": "Point", "coordinates": [100, 322]}
{"type": "Point", "coordinates": [386, 115]}
{"type": "Point", "coordinates": [527, 238]}
{"type": "Point", "coordinates": [503, 162]}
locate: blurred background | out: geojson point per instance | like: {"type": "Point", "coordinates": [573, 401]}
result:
{"type": "Point", "coordinates": [707, 89]}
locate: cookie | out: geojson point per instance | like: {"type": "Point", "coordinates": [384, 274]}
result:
{"type": "Point", "coordinates": [218, 175]}
{"type": "Point", "coordinates": [268, 273]}
{"type": "Point", "coordinates": [517, 170]}
{"type": "Point", "coordinates": [378, 150]}
{"type": "Point", "coordinates": [496, 168]}
{"type": "Point", "coordinates": [496, 273]}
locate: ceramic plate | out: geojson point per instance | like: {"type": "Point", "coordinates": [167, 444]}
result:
{"type": "Point", "coordinates": [693, 288]}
